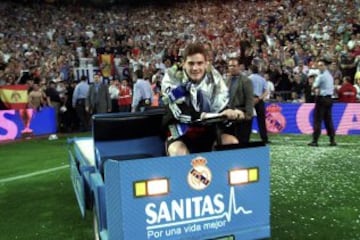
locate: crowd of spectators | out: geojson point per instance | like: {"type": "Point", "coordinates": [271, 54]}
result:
{"type": "Point", "coordinates": [41, 43]}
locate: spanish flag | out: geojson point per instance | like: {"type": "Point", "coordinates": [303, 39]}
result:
{"type": "Point", "coordinates": [14, 96]}
{"type": "Point", "coordinates": [107, 65]}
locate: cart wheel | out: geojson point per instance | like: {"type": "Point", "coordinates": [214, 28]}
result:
{"type": "Point", "coordinates": [96, 224]}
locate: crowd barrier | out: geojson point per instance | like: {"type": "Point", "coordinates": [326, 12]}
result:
{"type": "Point", "coordinates": [286, 118]}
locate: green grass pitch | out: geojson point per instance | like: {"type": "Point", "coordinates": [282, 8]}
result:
{"type": "Point", "coordinates": [315, 192]}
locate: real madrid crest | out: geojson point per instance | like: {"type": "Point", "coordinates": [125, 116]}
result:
{"type": "Point", "coordinates": [199, 177]}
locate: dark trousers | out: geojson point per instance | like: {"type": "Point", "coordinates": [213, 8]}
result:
{"type": "Point", "coordinates": [260, 112]}
{"type": "Point", "coordinates": [125, 108]}
{"type": "Point", "coordinates": [114, 105]}
{"type": "Point", "coordinates": [322, 112]}
{"type": "Point", "coordinates": [243, 131]}
{"type": "Point", "coordinates": [82, 115]}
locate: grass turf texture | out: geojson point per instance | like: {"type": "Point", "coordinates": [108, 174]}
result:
{"type": "Point", "coordinates": [314, 191]}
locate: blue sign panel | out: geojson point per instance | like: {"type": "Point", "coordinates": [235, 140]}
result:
{"type": "Point", "coordinates": [202, 196]}
{"type": "Point", "coordinates": [26, 122]}
{"type": "Point", "coordinates": [298, 118]}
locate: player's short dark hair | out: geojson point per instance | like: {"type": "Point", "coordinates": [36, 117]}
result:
{"type": "Point", "coordinates": [139, 73]}
{"type": "Point", "coordinates": [83, 78]}
{"type": "Point", "coordinates": [195, 48]}
{"type": "Point", "coordinates": [254, 68]}
{"type": "Point", "coordinates": [323, 60]}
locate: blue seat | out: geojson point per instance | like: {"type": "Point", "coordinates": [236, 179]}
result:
{"type": "Point", "coordinates": [126, 136]}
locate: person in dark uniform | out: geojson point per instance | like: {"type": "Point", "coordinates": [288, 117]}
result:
{"type": "Point", "coordinates": [53, 100]}
{"type": "Point", "coordinates": [324, 87]}
{"type": "Point", "coordinates": [260, 93]}
{"type": "Point", "coordinates": [241, 97]}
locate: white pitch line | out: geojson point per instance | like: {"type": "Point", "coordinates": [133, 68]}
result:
{"type": "Point", "coordinates": [10, 179]}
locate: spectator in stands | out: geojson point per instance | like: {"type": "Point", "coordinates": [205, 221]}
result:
{"type": "Point", "coordinates": [50, 51]}
{"type": "Point", "coordinates": [347, 64]}
{"type": "Point", "coordinates": [335, 70]}
{"type": "Point", "coordinates": [301, 68]}
{"type": "Point", "coordinates": [270, 87]}
{"type": "Point", "coordinates": [98, 98]}
{"type": "Point", "coordinates": [156, 88]}
{"type": "Point", "coordinates": [114, 94]}
{"type": "Point", "coordinates": [357, 86]}
{"type": "Point", "coordinates": [2, 78]}
{"type": "Point", "coordinates": [337, 85]}
{"type": "Point", "coordinates": [297, 88]}
{"type": "Point", "coordinates": [125, 96]}
{"type": "Point", "coordinates": [347, 92]}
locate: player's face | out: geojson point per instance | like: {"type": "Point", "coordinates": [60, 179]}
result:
{"type": "Point", "coordinates": [195, 67]}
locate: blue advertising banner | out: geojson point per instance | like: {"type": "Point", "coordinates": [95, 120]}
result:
{"type": "Point", "coordinates": [298, 118]}
{"type": "Point", "coordinates": [26, 122]}
{"type": "Point", "coordinates": [280, 118]}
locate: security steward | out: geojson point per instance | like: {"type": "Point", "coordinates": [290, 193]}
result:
{"type": "Point", "coordinates": [324, 88]}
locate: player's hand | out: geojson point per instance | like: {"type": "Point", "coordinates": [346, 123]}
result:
{"type": "Point", "coordinates": [229, 114]}
{"type": "Point", "coordinates": [177, 94]}
{"type": "Point", "coordinates": [233, 114]}
{"type": "Point", "coordinates": [239, 114]}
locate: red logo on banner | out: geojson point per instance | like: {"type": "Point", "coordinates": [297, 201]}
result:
{"type": "Point", "coordinates": [275, 121]}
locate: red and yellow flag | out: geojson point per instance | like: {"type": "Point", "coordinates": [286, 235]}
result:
{"type": "Point", "coordinates": [107, 65]}
{"type": "Point", "coordinates": [14, 96]}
